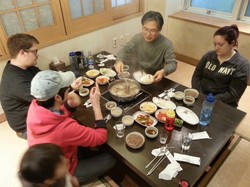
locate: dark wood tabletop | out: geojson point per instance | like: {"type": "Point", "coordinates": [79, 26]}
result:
{"type": "Point", "coordinates": [224, 121]}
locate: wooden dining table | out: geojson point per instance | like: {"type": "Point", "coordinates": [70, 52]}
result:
{"type": "Point", "coordinates": [221, 128]}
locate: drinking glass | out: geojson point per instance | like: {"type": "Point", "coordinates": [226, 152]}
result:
{"type": "Point", "coordinates": [163, 138]}
{"type": "Point", "coordinates": [186, 141]}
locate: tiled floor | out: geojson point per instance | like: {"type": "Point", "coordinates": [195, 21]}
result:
{"type": "Point", "coordinates": [12, 147]}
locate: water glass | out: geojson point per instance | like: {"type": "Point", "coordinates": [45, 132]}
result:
{"type": "Point", "coordinates": [163, 138]}
{"type": "Point", "coordinates": [119, 128]}
{"type": "Point", "coordinates": [186, 141]}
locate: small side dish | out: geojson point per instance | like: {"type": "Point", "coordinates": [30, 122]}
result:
{"type": "Point", "coordinates": [148, 107]}
{"type": "Point", "coordinates": [135, 140]}
{"type": "Point", "coordinates": [102, 80]}
{"type": "Point", "coordinates": [178, 95]}
{"type": "Point", "coordinates": [116, 112]}
{"type": "Point", "coordinates": [151, 132]}
{"type": "Point", "coordinates": [83, 91]}
{"type": "Point", "coordinates": [147, 79]}
{"type": "Point", "coordinates": [189, 100]}
{"type": "Point", "coordinates": [144, 119]}
{"type": "Point", "coordinates": [191, 92]}
{"type": "Point", "coordinates": [87, 82]}
{"type": "Point", "coordinates": [128, 120]}
{"type": "Point", "coordinates": [93, 73]}
{"type": "Point", "coordinates": [110, 104]}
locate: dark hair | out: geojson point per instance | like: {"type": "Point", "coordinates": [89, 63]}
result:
{"type": "Point", "coordinates": [231, 33]}
{"type": "Point", "coordinates": [50, 102]}
{"type": "Point", "coordinates": [153, 16]}
{"type": "Point", "coordinates": [39, 162]}
{"type": "Point", "coordinates": [20, 41]}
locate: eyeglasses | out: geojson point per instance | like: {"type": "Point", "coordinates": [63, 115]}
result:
{"type": "Point", "coordinates": [150, 31]}
{"type": "Point", "coordinates": [34, 51]}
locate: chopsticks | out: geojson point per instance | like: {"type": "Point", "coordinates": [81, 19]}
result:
{"type": "Point", "coordinates": [159, 161]}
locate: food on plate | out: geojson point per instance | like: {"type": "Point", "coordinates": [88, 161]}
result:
{"type": "Point", "coordinates": [118, 89]}
{"type": "Point", "coordinates": [148, 107]}
{"type": "Point", "coordinates": [135, 140]}
{"type": "Point", "coordinates": [144, 119]}
{"type": "Point", "coordinates": [102, 80]}
{"type": "Point", "coordinates": [162, 116]}
{"type": "Point", "coordinates": [108, 72]}
{"type": "Point", "coordinates": [86, 81]}
{"type": "Point", "coordinates": [189, 100]}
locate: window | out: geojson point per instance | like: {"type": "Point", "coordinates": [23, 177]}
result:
{"type": "Point", "coordinates": [51, 21]}
{"type": "Point", "coordinates": [228, 9]}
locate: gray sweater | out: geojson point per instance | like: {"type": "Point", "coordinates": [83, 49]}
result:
{"type": "Point", "coordinates": [150, 57]}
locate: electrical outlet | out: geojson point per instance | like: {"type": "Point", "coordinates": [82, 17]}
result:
{"type": "Point", "coordinates": [127, 37]}
{"type": "Point", "coordinates": [122, 40]}
{"type": "Point", "coordinates": [115, 42]}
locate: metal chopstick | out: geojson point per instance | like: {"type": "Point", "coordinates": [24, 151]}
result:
{"type": "Point", "coordinates": [159, 162]}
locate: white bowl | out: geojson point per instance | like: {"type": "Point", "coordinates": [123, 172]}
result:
{"type": "Point", "coordinates": [151, 132]}
{"type": "Point", "coordinates": [110, 104]}
{"type": "Point", "coordinates": [93, 73]}
{"type": "Point", "coordinates": [102, 80]}
{"type": "Point", "coordinates": [191, 92]}
{"type": "Point", "coordinates": [116, 112]}
{"type": "Point", "coordinates": [83, 91]}
{"type": "Point", "coordinates": [128, 120]}
{"type": "Point", "coordinates": [189, 100]}
{"type": "Point", "coordinates": [179, 95]}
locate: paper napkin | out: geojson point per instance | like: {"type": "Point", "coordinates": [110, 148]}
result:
{"type": "Point", "coordinates": [200, 135]}
{"type": "Point", "coordinates": [187, 158]}
{"type": "Point", "coordinates": [170, 171]}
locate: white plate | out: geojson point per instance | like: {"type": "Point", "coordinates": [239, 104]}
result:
{"type": "Point", "coordinates": [93, 73]}
{"type": "Point", "coordinates": [163, 103]}
{"type": "Point", "coordinates": [135, 140]}
{"type": "Point", "coordinates": [149, 117]}
{"type": "Point", "coordinates": [87, 82]}
{"type": "Point", "coordinates": [148, 107]}
{"type": "Point", "coordinates": [107, 72]}
{"type": "Point", "coordinates": [187, 115]}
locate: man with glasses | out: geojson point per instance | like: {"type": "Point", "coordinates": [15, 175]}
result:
{"type": "Point", "coordinates": [149, 51]}
{"type": "Point", "coordinates": [16, 78]}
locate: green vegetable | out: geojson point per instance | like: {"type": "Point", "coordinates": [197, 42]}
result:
{"type": "Point", "coordinates": [178, 122]}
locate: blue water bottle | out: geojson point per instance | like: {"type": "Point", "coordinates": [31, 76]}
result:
{"type": "Point", "coordinates": [73, 64]}
{"type": "Point", "coordinates": [90, 60]}
{"type": "Point", "coordinates": [207, 109]}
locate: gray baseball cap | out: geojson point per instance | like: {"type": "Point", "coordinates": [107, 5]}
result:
{"type": "Point", "coordinates": [46, 84]}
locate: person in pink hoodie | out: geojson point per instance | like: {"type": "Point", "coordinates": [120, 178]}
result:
{"type": "Point", "coordinates": [49, 121]}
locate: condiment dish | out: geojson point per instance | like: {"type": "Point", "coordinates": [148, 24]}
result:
{"type": "Point", "coordinates": [151, 132]}
{"type": "Point", "coordinates": [191, 92]}
{"type": "Point", "coordinates": [110, 104]}
{"type": "Point", "coordinates": [189, 100]}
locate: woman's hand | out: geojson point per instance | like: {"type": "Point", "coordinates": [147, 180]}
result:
{"type": "Point", "coordinates": [73, 100]}
{"type": "Point", "coordinates": [119, 66]}
{"type": "Point", "coordinates": [77, 83]}
{"type": "Point", "coordinates": [95, 96]}
{"type": "Point", "coordinates": [158, 76]}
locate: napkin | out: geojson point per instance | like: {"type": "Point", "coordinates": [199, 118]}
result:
{"type": "Point", "coordinates": [200, 135]}
{"type": "Point", "coordinates": [170, 171]}
{"type": "Point", "coordinates": [187, 158]}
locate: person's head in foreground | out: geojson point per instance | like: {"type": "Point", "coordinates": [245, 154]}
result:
{"type": "Point", "coordinates": [44, 165]}
{"type": "Point", "coordinates": [51, 88]}
{"type": "Point", "coordinates": [152, 23]}
{"type": "Point", "coordinates": [225, 41]}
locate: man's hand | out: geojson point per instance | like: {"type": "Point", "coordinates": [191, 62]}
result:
{"type": "Point", "coordinates": [119, 66]}
{"type": "Point", "coordinates": [159, 75]}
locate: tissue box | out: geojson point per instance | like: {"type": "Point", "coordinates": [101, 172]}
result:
{"type": "Point", "coordinates": [58, 67]}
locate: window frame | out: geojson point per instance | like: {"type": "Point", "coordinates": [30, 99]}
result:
{"type": "Point", "coordinates": [238, 11]}
{"type": "Point", "coordinates": [65, 28]}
